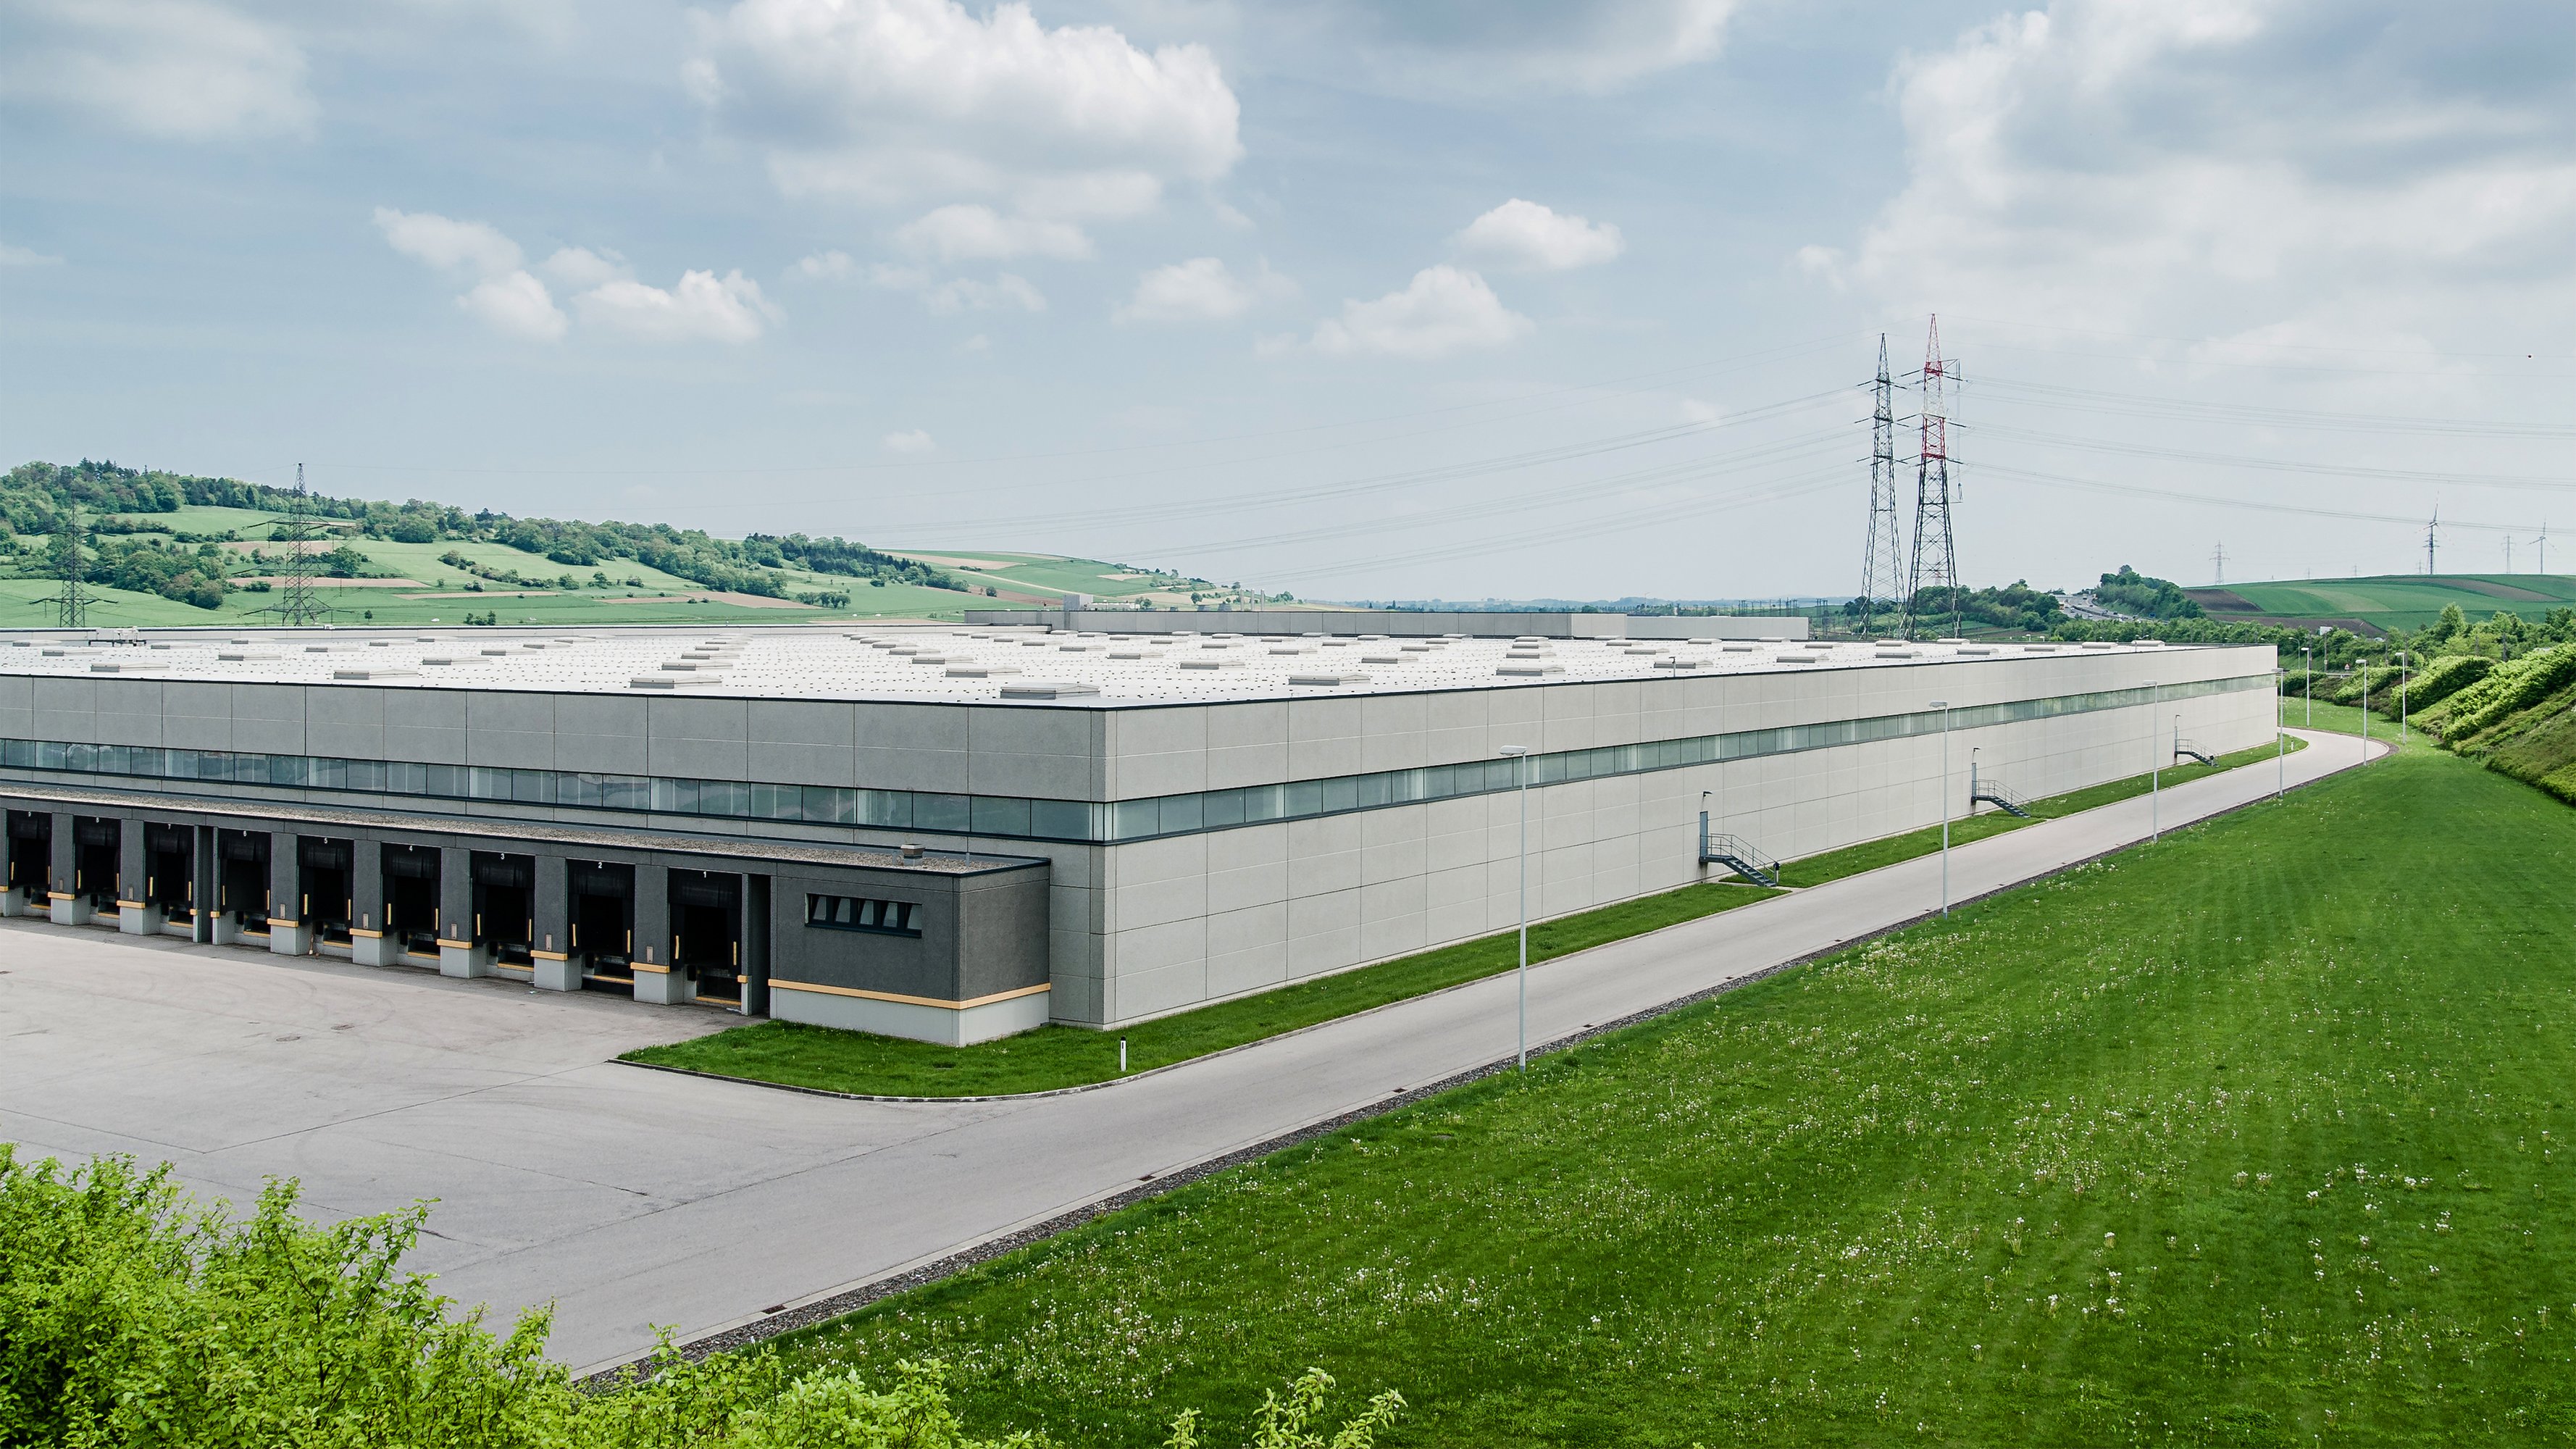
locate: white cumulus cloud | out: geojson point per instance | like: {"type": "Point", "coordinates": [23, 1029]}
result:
{"type": "Point", "coordinates": [703, 307]}
{"type": "Point", "coordinates": [900, 100]}
{"type": "Point", "coordinates": [911, 444]}
{"type": "Point", "coordinates": [472, 247]}
{"type": "Point", "coordinates": [1006, 292]}
{"type": "Point", "coordinates": [1506, 49]}
{"type": "Point", "coordinates": [18, 256]}
{"type": "Point", "coordinates": [827, 266]}
{"type": "Point", "coordinates": [1533, 238]}
{"type": "Point", "coordinates": [181, 70]}
{"type": "Point", "coordinates": [971, 231]}
{"type": "Point", "coordinates": [1202, 289]}
{"type": "Point", "coordinates": [510, 298]}
{"type": "Point", "coordinates": [517, 304]}
{"type": "Point", "coordinates": [579, 267]}
{"type": "Point", "coordinates": [1444, 310]}
{"type": "Point", "coordinates": [2213, 168]}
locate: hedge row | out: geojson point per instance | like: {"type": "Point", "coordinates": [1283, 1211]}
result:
{"type": "Point", "coordinates": [131, 1316]}
{"type": "Point", "coordinates": [2446, 676]}
{"type": "Point", "coordinates": [2508, 688]}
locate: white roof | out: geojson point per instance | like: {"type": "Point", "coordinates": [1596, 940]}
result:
{"type": "Point", "coordinates": [942, 664]}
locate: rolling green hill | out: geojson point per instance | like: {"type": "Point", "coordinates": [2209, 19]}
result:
{"type": "Point", "coordinates": [171, 549]}
{"type": "Point", "coordinates": [2389, 601]}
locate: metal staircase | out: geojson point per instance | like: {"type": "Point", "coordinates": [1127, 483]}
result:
{"type": "Point", "coordinates": [1737, 855]}
{"type": "Point", "coordinates": [2186, 747]}
{"type": "Point", "coordinates": [1988, 790]}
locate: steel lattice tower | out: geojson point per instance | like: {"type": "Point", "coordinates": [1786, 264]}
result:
{"type": "Point", "coordinates": [1882, 560]}
{"type": "Point", "coordinates": [295, 603]}
{"type": "Point", "coordinates": [1935, 557]}
{"type": "Point", "coordinates": [72, 605]}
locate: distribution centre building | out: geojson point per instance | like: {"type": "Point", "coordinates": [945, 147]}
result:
{"type": "Point", "coordinates": [956, 833]}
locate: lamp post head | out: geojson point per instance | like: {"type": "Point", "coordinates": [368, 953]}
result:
{"type": "Point", "coordinates": [1513, 752]}
{"type": "Point", "coordinates": [1940, 704]}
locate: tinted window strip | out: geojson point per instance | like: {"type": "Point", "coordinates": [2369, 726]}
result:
{"type": "Point", "coordinates": [1009, 817]}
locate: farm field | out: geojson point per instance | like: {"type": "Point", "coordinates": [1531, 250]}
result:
{"type": "Point", "coordinates": [637, 594]}
{"type": "Point", "coordinates": [1049, 575]}
{"type": "Point", "coordinates": [2390, 601]}
{"type": "Point", "coordinates": [2248, 1137]}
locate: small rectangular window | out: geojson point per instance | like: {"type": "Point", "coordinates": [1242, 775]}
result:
{"type": "Point", "coordinates": [857, 913]}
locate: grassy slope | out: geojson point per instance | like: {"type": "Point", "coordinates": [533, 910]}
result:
{"type": "Point", "coordinates": [1063, 1056]}
{"type": "Point", "coordinates": [30, 602]}
{"type": "Point", "coordinates": [2246, 1138]}
{"type": "Point", "coordinates": [2403, 601]}
{"type": "Point", "coordinates": [1056, 1056]}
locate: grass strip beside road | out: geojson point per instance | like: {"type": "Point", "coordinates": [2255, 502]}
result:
{"type": "Point", "coordinates": [1054, 1057]}
{"type": "Point", "coordinates": [1833, 865]}
{"type": "Point", "coordinates": [2244, 1138]}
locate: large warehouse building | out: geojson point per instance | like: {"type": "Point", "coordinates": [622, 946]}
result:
{"type": "Point", "coordinates": [956, 834]}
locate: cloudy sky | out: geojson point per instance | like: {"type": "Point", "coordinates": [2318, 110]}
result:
{"type": "Point", "coordinates": [1441, 299]}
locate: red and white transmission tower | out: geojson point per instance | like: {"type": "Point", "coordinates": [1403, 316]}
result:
{"type": "Point", "coordinates": [1936, 557]}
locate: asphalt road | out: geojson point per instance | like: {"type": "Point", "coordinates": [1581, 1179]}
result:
{"type": "Point", "coordinates": [632, 1198]}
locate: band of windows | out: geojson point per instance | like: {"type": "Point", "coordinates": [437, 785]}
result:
{"type": "Point", "coordinates": [856, 913]}
{"type": "Point", "coordinates": [1023, 818]}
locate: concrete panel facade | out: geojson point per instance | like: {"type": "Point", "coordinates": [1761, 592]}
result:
{"type": "Point", "coordinates": [1103, 933]}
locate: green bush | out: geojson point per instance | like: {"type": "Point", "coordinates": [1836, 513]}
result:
{"type": "Point", "coordinates": [130, 1316]}
{"type": "Point", "coordinates": [2447, 676]}
{"type": "Point", "coordinates": [2508, 688]}
{"type": "Point", "coordinates": [2370, 681]}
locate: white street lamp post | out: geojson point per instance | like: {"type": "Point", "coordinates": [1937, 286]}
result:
{"type": "Point", "coordinates": [1943, 705]}
{"type": "Point", "coordinates": [2155, 772]}
{"type": "Point", "coordinates": [2308, 679]}
{"type": "Point", "coordinates": [1521, 753]}
{"type": "Point", "coordinates": [2281, 749]}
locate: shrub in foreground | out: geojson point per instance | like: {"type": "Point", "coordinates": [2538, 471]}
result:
{"type": "Point", "coordinates": [131, 1316]}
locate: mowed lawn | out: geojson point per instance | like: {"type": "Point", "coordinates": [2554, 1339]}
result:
{"type": "Point", "coordinates": [2250, 1137]}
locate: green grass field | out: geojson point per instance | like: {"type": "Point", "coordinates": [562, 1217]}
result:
{"type": "Point", "coordinates": [2392, 601]}
{"type": "Point", "coordinates": [1062, 1056]}
{"type": "Point", "coordinates": [1054, 1057]}
{"type": "Point", "coordinates": [2246, 1138]}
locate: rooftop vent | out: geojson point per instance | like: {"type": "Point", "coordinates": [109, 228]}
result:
{"type": "Point", "coordinates": [911, 850]}
{"type": "Point", "coordinates": [1328, 680]}
{"type": "Point", "coordinates": [1530, 667]}
{"type": "Point", "coordinates": [970, 670]}
{"type": "Point", "coordinates": [1049, 689]}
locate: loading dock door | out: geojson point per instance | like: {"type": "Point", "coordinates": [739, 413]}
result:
{"type": "Point", "coordinates": [170, 868]}
{"type": "Point", "coordinates": [603, 922]}
{"type": "Point", "coordinates": [95, 860]}
{"type": "Point", "coordinates": [323, 870]}
{"type": "Point", "coordinates": [411, 897]}
{"type": "Point", "coordinates": [706, 932]}
{"type": "Point", "coordinates": [505, 905]}
{"type": "Point", "coordinates": [241, 880]}
{"type": "Point", "coordinates": [31, 850]}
